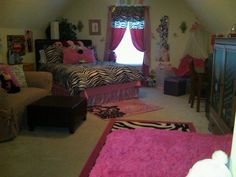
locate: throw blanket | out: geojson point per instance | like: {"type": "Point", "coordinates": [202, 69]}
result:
{"type": "Point", "coordinates": [78, 77]}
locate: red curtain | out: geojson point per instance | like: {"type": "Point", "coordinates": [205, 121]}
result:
{"type": "Point", "coordinates": [113, 37]}
{"type": "Point", "coordinates": [117, 35]}
{"type": "Point", "coordinates": [107, 51]}
{"type": "Point", "coordinates": [140, 37]}
{"type": "Point", "coordinates": [137, 36]}
{"type": "Point", "coordinates": [142, 41]}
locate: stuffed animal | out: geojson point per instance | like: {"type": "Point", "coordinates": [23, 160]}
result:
{"type": "Point", "coordinates": [79, 48]}
{"type": "Point", "coordinates": [214, 167]}
{"type": "Point", "coordinates": [7, 83]}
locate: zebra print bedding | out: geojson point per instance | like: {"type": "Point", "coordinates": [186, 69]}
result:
{"type": "Point", "coordinates": [76, 78]}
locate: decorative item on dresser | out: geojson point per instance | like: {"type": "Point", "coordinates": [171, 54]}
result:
{"type": "Point", "coordinates": [223, 89]}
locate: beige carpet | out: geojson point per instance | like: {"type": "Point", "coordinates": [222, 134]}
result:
{"type": "Point", "coordinates": [52, 152]}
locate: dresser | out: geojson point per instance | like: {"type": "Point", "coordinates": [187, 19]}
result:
{"type": "Point", "coordinates": [222, 103]}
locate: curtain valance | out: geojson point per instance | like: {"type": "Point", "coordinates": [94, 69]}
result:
{"type": "Point", "coordinates": [122, 15]}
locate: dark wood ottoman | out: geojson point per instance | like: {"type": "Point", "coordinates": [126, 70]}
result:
{"type": "Point", "coordinates": [59, 111]}
{"type": "Point", "coordinates": [175, 86]}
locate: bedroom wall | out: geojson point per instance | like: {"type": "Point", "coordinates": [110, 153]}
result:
{"type": "Point", "coordinates": [18, 15]}
{"type": "Point", "coordinates": [178, 11]}
{"type": "Point", "coordinates": [28, 57]}
{"type": "Point", "coordinates": [217, 15]}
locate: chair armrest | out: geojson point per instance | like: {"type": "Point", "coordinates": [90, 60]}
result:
{"type": "Point", "coordinates": [40, 79]}
{"type": "Point", "coordinates": [3, 95]}
{"type": "Point", "coordinates": [8, 128]}
{"type": "Point", "coordinates": [4, 99]}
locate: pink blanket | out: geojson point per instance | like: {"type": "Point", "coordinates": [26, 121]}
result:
{"type": "Point", "coordinates": [155, 153]}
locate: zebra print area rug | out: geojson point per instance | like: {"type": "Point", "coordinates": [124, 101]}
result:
{"type": "Point", "coordinates": [133, 124]}
{"type": "Point", "coordinates": [122, 108]}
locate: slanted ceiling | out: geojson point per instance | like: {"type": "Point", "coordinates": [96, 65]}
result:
{"type": "Point", "coordinates": [32, 14]}
{"type": "Point", "coordinates": [217, 15]}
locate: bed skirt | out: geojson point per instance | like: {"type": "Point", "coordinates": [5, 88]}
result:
{"type": "Point", "coordinates": [105, 94]}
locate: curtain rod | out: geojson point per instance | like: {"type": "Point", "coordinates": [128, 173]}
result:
{"type": "Point", "coordinates": [127, 5]}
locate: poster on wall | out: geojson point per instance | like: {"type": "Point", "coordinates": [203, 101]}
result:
{"type": "Point", "coordinates": [15, 48]}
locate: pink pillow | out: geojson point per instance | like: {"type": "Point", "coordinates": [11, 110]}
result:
{"type": "Point", "coordinates": [70, 56]}
{"type": "Point", "coordinates": [7, 70]}
{"type": "Point", "coordinates": [87, 55]}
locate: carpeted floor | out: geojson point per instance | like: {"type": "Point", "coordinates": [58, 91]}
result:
{"type": "Point", "coordinates": [53, 152]}
{"type": "Point", "coordinates": [122, 108]}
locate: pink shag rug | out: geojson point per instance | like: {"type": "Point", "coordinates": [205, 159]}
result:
{"type": "Point", "coordinates": [155, 153]}
{"type": "Point", "coordinates": [122, 108]}
{"type": "Point", "coordinates": [151, 152]}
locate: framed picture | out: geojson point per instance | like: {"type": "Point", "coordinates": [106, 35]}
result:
{"type": "Point", "coordinates": [94, 27]}
{"type": "Point", "coordinates": [15, 48]}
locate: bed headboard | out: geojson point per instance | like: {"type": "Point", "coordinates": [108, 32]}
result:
{"type": "Point", "coordinates": [41, 44]}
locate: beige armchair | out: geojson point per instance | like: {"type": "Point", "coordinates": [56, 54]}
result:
{"type": "Point", "coordinates": [13, 113]}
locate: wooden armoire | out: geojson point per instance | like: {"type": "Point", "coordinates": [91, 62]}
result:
{"type": "Point", "coordinates": [223, 86]}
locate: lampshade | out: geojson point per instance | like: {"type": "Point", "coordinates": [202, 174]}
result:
{"type": "Point", "coordinates": [54, 28]}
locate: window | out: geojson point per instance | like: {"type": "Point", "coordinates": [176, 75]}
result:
{"type": "Point", "coordinates": [126, 53]}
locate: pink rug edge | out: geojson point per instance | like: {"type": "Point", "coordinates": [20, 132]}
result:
{"type": "Point", "coordinates": [95, 153]}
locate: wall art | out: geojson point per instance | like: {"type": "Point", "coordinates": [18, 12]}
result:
{"type": "Point", "coordinates": [15, 48]}
{"type": "Point", "coordinates": [94, 27]}
{"type": "Point", "coordinates": [162, 45]}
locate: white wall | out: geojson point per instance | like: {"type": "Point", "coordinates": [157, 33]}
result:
{"type": "Point", "coordinates": [177, 10]}
{"type": "Point", "coordinates": [32, 14]}
{"type": "Point", "coordinates": [217, 15]}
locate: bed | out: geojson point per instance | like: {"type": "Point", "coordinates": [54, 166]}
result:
{"type": "Point", "coordinates": [100, 82]}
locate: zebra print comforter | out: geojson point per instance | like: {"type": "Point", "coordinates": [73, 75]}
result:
{"type": "Point", "coordinates": [76, 78]}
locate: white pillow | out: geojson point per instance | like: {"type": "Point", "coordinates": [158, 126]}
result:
{"type": "Point", "coordinates": [42, 56]}
{"type": "Point", "coordinates": [20, 75]}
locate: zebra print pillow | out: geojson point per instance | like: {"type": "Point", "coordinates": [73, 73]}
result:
{"type": "Point", "coordinates": [54, 55]}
